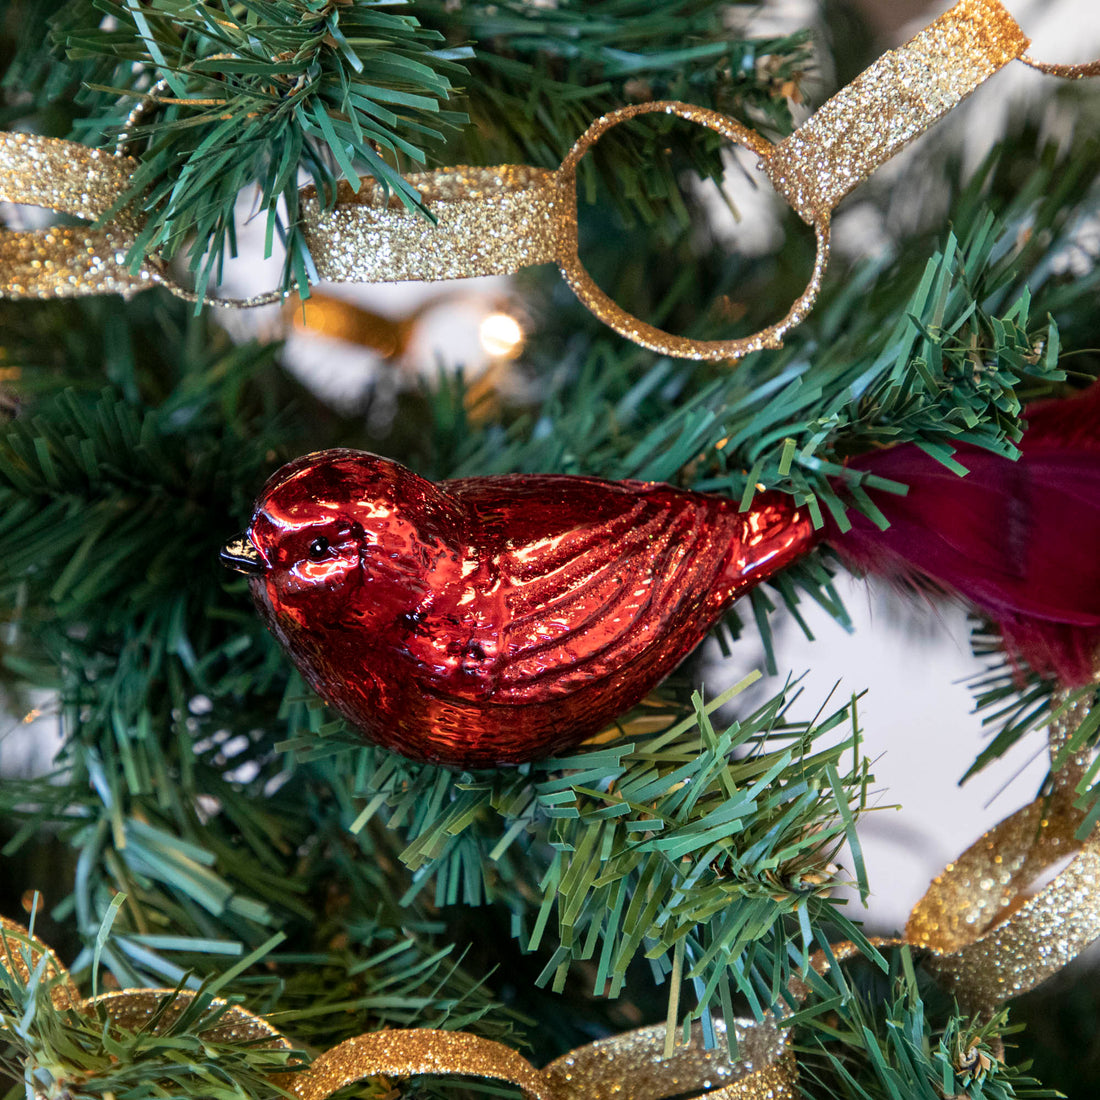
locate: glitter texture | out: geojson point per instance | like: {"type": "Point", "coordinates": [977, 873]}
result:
{"type": "Point", "coordinates": [75, 261]}
{"type": "Point", "coordinates": [988, 940]}
{"type": "Point", "coordinates": [490, 221]}
{"type": "Point", "coordinates": [134, 1008]}
{"type": "Point", "coordinates": [408, 1052]}
{"type": "Point", "coordinates": [129, 1008]}
{"type": "Point", "coordinates": [633, 1066]}
{"type": "Point", "coordinates": [1068, 772]}
{"type": "Point", "coordinates": [630, 1065]}
{"type": "Point", "coordinates": [891, 103]}
{"type": "Point", "coordinates": [67, 261]}
{"type": "Point", "coordinates": [991, 938]}
{"type": "Point", "coordinates": [63, 175]}
{"type": "Point", "coordinates": [989, 933]}
{"type": "Point", "coordinates": [625, 324]}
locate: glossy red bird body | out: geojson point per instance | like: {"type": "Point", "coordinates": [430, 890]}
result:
{"type": "Point", "coordinates": [496, 620]}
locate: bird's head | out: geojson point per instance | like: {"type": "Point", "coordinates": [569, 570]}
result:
{"type": "Point", "coordinates": [344, 535]}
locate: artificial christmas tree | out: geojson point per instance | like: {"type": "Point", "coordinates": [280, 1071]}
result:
{"type": "Point", "coordinates": [316, 910]}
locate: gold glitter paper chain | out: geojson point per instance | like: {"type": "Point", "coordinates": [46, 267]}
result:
{"type": "Point", "coordinates": [993, 936]}
{"type": "Point", "coordinates": [986, 936]}
{"type": "Point", "coordinates": [764, 1069]}
{"type": "Point", "coordinates": [500, 219]}
{"type": "Point", "coordinates": [632, 1064]}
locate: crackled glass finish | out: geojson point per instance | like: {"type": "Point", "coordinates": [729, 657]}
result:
{"type": "Point", "coordinates": [495, 620]}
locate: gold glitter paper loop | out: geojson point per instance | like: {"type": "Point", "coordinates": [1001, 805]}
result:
{"type": "Point", "coordinates": [134, 1008]}
{"type": "Point", "coordinates": [889, 104]}
{"type": "Point", "coordinates": [77, 261]}
{"type": "Point", "coordinates": [624, 323]}
{"type": "Point", "coordinates": [20, 954]}
{"type": "Point", "coordinates": [764, 1069]}
{"type": "Point", "coordinates": [990, 938]}
{"type": "Point", "coordinates": [406, 1053]}
{"type": "Point", "coordinates": [498, 220]}
{"type": "Point", "coordinates": [64, 176]}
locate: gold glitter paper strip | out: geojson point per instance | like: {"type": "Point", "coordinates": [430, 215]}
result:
{"type": "Point", "coordinates": [990, 933]}
{"type": "Point", "coordinates": [415, 1051]}
{"type": "Point", "coordinates": [490, 221]}
{"type": "Point", "coordinates": [129, 1008]}
{"type": "Point", "coordinates": [888, 105]}
{"type": "Point", "coordinates": [63, 176]}
{"type": "Point", "coordinates": [67, 261]}
{"type": "Point", "coordinates": [134, 1008]}
{"type": "Point", "coordinates": [1068, 772]}
{"type": "Point", "coordinates": [764, 1069]}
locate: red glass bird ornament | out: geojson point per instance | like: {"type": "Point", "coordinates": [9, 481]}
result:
{"type": "Point", "coordinates": [495, 620]}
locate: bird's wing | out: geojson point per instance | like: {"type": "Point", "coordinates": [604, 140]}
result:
{"type": "Point", "coordinates": [577, 577]}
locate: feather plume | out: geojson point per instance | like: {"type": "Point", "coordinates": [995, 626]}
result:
{"type": "Point", "coordinates": [1019, 540]}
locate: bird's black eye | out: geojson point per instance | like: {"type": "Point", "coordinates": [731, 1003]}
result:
{"type": "Point", "coordinates": [318, 549]}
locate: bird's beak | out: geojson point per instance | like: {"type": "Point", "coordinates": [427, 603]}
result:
{"type": "Point", "coordinates": [241, 555]}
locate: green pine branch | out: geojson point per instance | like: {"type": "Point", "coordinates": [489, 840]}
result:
{"type": "Point", "coordinates": [880, 1034]}
{"type": "Point", "coordinates": [541, 74]}
{"type": "Point", "coordinates": [702, 850]}
{"type": "Point", "coordinates": [254, 95]}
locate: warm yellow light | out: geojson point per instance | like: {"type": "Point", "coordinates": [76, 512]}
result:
{"type": "Point", "coordinates": [501, 336]}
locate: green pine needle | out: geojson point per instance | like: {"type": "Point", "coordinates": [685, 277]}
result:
{"type": "Point", "coordinates": [897, 1036]}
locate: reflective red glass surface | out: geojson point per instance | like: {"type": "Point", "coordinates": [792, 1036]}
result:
{"type": "Point", "coordinates": [496, 620]}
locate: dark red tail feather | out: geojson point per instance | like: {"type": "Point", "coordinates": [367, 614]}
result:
{"type": "Point", "coordinates": [1018, 540]}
